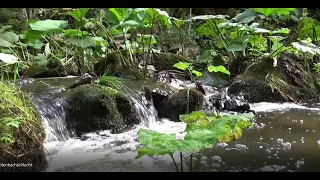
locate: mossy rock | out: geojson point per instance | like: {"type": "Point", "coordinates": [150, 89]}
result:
{"type": "Point", "coordinates": [26, 146]}
{"type": "Point", "coordinates": [95, 107]}
{"type": "Point", "coordinates": [177, 104]}
{"type": "Point", "coordinates": [53, 68]}
{"type": "Point", "coordinates": [290, 80]}
{"type": "Point", "coordinates": [253, 89]}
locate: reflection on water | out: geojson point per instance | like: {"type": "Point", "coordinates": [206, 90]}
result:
{"type": "Point", "coordinates": [288, 141]}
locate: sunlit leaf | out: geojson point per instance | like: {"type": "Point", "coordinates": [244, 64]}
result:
{"type": "Point", "coordinates": [78, 14]}
{"type": "Point", "coordinates": [218, 69]}
{"type": "Point", "coordinates": [269, 11]}
{"type": "Point", "coordinates": [8, 58]}
{"type": "Point", "coordinates": [182, 65]}
{"type": "Point", "coordinates": [48, 25]}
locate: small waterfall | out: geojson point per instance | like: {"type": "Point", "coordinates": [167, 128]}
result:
{"type": "Point", "coordinates": [146, 111]}
{"type": "Point", "coordinates": [53, 116]}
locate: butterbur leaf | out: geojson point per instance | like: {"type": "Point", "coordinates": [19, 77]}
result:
{"type": "Point", "coordinates": [48, 25]}
{"type": "Point", "coordinates": [245, 17]}
{"type": "Point", "coordinates": [218, 69]}
{"type": "Point", "coordinates": [197, 73]}
{"type": "Point", "coordinates": [78, 14]}
{"type": "Point", "coordinates": [32, 35]}
{"type": "Point", "coordinates": [269, 11]}
{"type": "Point", "coordinates": [83, 42]}
{"type": "Point", "coordinates": [10, 37]}
{"type": "Point", "coordinates": [199, 137]}
{"type": "Point", "coordinates": [182, 65]}
{"type": "Point", "coordinates": [305, 46]}
{"type": "Point", "coordinates": [8, 58]}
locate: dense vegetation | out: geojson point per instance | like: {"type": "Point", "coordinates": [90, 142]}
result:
{"type": "Point", "coordinates": [273, 51]}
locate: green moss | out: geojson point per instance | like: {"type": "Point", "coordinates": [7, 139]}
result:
{"type": "Point", "coordinates": [181, 102]}
{"type": "Point", "coordinates": [26, 144]}
{"type": "Point", "coordinates": [96, 107]}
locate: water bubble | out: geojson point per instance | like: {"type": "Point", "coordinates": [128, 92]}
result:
{"type": "Point", "coordinates": [307, 130]}
{"type": "Point", "coordinates": [301, 121]}
{"type": "Point", "coordinates": [313, 130]}
{"type": "Point", "coordinates": [260, 147]}
{"type": "Point", "coordinates": [268, 150]}
{"type": "Point", "coordinates": [289, 129]}
{"type": "Point", "coordinates": [271, 138]}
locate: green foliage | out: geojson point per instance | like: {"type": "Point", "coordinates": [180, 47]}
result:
{"type": "Point", "coordinates": [201, 132]}
{"type": "Point", "coordinates": [187, 66]}
{"type": "Point", "coordinates": [48, 25]}
{"type": "Point", "coordinates": [269, 11]}
{"type": "Point", "coordinates": [218, 69]}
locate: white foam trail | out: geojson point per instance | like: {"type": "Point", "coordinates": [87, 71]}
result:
{"type": "Point", "coordinates": [269, 107]}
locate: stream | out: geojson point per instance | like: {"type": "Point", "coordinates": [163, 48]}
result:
{"type": "Point", "coordinates": [285, 137]}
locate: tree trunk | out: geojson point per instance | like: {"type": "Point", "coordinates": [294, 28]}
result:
{"type": "Point", "coordinates": [23, 17]}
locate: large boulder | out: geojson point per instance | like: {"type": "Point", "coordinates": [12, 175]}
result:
{"type": "Point", "coordinates": [172, 103]}
{"type": "Point", "coordinates": [22, 134]}
{"type": "Point", "coordinates": [290, 80]}
{"type": "Point", "coordinates": [95, 107]}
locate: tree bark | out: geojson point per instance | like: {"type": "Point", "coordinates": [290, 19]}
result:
{"type": "Point", "coordinates": [23, 17]}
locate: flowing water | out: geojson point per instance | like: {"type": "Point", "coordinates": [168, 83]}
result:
{"type": "Point", "coordinates": [286, 137]}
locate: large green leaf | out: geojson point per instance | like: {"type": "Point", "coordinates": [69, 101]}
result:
{"type": "Point", "coordinates": [117, 15]}
{"type": "Point", "coordinates": [32, 35]}
{"type": "Point", "coordinates": [8, 58]}
{"type": "Point", "coordinates": [78, 14]}
{"type": "Point", "coordinates": [10, 37]}
{"type": "Point", "coordinates": [221, 129]}
{"type": "Point", "coordinates": [209, 29]}
{"type": "Point", "coordinates": [75, 32]}
{"type": "Point", "coordinates": [5, 43]}
{"type": "Point", "coordinates": [218, 69]}
{"type": "Point", "coordinates": [48, 25]}
{"type": "Point", "coordinates": [269, 11]}
{"type": "Point", "coordinates": [182, 65]}
{"type": "Point", "coordinates": [305, 46]}
{"type": "Point", "coordinates": [83, 42]}
{"type": "Point", "coordinates": [245, 17]}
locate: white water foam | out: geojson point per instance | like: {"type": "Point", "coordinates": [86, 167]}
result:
{"type": "Point", "coordinates": [269, 107]}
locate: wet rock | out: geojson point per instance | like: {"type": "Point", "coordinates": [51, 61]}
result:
{"type": "Point", "coordinates": [84, 79]}
{"type": "Point", "coordinates": [169, 75]}
{"type": "Point", "coordinates": [95, 107]}
{"type": "Point", "coordinates": [220, 100]}
{"type": "Point", "coordinates": [170, 104]}
{"type": "Point", "coordinates": [289, 80]}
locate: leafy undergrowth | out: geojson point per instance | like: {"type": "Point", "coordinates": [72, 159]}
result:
{"type": "Point", "coordinates": [21, 132]}
{"type": "Point", "coordinates": [201, 132]}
